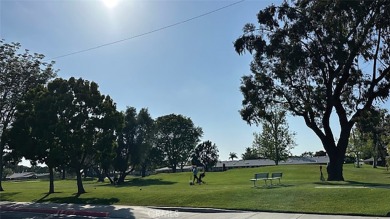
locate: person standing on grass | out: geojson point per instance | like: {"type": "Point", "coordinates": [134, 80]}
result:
{"type": "Point", "coordinates": [195, 173]}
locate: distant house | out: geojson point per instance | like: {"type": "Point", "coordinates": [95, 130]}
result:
{"type": "Point", "coordinates": [21, 176]}
{"type": "Point", "coordinates": [370, 161]}
{"type": "Point", "coordinates": [230, 164]}
{"type": "Point", "coordinates": [169, 170]}
{"type": "Point", "coordinates": [27, 175]}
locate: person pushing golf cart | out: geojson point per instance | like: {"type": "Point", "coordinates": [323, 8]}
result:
{"type": "Point", "coordinates": [195, 176]}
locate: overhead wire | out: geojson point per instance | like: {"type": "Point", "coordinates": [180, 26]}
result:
{"type": "Point", "coordinates": [147, 33]}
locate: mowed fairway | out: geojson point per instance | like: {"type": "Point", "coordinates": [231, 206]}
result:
{"type": "Point", "coordinates": [366, 191]}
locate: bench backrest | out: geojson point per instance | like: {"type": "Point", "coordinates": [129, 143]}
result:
{"type": "Point", "coordinates": [276, 175]}
{"type": "Point", "coordinates": [261, 175]}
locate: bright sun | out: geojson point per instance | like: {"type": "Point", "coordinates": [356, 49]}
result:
{"type": "Point", "coordinates": [110, 3]}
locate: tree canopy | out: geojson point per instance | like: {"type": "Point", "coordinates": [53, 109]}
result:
{"type": "Point", "coordinates": [19, 72]}
{"type": "Point", "coordinates": [275, 141]}
{"type": "Point", "coordinates": [309, 57]}
{"type": "Point", "coordinates": [206, 155]}
{"type": "Point", "coordinates": [177, 137]}
{"type": "Point", "coordinates": [86, 123]}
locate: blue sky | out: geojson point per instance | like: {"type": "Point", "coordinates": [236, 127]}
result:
{"type": "Point", "coordinates": [189, 69]}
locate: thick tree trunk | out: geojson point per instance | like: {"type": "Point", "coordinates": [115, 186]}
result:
{"type": "Point", "coordinates": [335, 167]}
{"type": "Point", "coordinates": [51, 179]}
{"type": "Point", "coordinates": [80, 188]}
{"type": "Point", "coordinates": [121, 178]}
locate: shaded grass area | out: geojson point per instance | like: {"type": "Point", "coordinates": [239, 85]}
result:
{"type": "Point", "coordinates": [365, 191]}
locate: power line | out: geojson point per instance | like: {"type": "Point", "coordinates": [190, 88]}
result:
{"type": "Point", "coordinates": [149, 32]}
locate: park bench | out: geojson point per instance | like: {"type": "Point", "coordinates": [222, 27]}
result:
{"type": "Point", "coordinates": [260, 176]}
{"type": "Point", "coordinates": [275, 176]}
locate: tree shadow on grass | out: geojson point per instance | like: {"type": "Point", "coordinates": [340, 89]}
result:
{"type": "Point", "coordinates": [352, 183]}
{"type": "Point", "coordinates": [142, 182]}
{"type": "Point", "coordinates": [7, 196]}
{"type": "Point", "coordinates": [93, 207]}
{"type": "Point", "coordinates": [274, 186]}
{"type": "Point", "coordinates": [77, 200]}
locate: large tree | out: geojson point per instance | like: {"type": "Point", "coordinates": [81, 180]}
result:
{"type": "Point", "coordinates": [275, 141]}
{"type": "Point", "coordinates": [134, 142]}
{"type": "Point", "coordinates": [177, 136]}
{"type": "Point", "coordinates": [86, 123]}
{"type": "Point", "coordinates": [359, 146]}
{"type": "Point", "coordinates": [309, 57]}
{"type": "Point", "coordinates": [19, 72]}
{"type": "Point", "coordinates": [33, 131]}
{"type": "Point", "coordinates": [375, 124]}
{"type": "Point", "coordinates": [206, 155]}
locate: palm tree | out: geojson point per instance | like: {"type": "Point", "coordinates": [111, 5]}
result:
{"type": "Point", "coordinates": [232, 155]}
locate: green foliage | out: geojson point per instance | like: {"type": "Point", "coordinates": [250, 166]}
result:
{"type": "Point", "coordinates": [309, 58]}
{"type": "Point", "coordinates": [275, 140]}
{"type": "Point", "coordinates": [307, 154]}
{"type": "Point", "coordinates": [20, 72]}
{"type": "Point", "coordinates": [232, 155]}
{"type": "Point", "coordinates": [135, 142]}
{"type": "Point", "coordinates": [176, 138]}
{"type": "Point", "coordinates": [205, 154]}
{"type": "Point", "coordinates": [250, 154]}
{"type": "Point", "coordinates": [69, 122]}
{"type": "Point", "coordinates": [374, 127]}
{"type": "Point", "coordinates": [33, 133]}
{"type": "Point", "coordinates": [7, 172]}
{"type": "Point", "coordinates": [320, 153]}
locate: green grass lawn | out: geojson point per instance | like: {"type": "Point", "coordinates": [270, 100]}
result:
{"type": "Point", "coordinates": [366, 191]}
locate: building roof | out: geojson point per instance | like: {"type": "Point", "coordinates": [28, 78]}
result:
{"type": "Point", "coordinates": [268, 162]}
{"type": "Point", "coordinates": [21, 175]}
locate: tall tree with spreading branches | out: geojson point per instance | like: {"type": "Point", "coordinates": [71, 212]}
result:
{"type": "Point", "coordinates": [19, 72]}
{"type": "Point", "coordinates": [309, 57]}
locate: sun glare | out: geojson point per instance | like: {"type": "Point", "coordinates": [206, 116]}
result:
{"type": "Point", "coordinates": [110, 3]}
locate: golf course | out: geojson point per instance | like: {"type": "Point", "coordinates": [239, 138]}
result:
{"type": "Point", "coordinates": [365, 191]}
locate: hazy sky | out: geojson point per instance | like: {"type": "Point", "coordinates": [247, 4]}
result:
{"type": "Point", "coordinates": [190, 68]}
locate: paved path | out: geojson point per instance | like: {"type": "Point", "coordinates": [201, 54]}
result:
{"type": "Point", "coordinates": [140, 212]}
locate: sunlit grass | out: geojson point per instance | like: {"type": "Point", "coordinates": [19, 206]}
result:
{"type": "Point", "coordinates": [363, 192]}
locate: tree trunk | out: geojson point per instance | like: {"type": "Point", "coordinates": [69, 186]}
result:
{"type": "Point", "coordinates": [1, 160]}
{"type": "Point", "coordinates": [63, 173]}
{"type": "Point", "coordinates": [108, 176]}
{"type": "Point", "coordinates": [51, 179]}
{"type": "Point", "coordinates": [173, 168]}
{"type": "Point", "coordinates": [357, 160]}
{"type": "Point", "coordinates": [1, 167]}
{"type": "Point", "coordinates": [143, 171]}
{"type": "Point", "coordinates": [335, 166]}
{"type": "Point", "coordinates": [376, 151]}
{"type": "Point", "coordinates": [122, 177]}
{"type": "Point", "coordinates": [80, 188]}
{"type": "Point", "coordinates": [2, 145]}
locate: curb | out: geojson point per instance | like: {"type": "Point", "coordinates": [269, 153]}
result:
{"type": "Point", "coordinates": [196, 210]}
{"type": "Point", "coordinates": [54, 211]}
